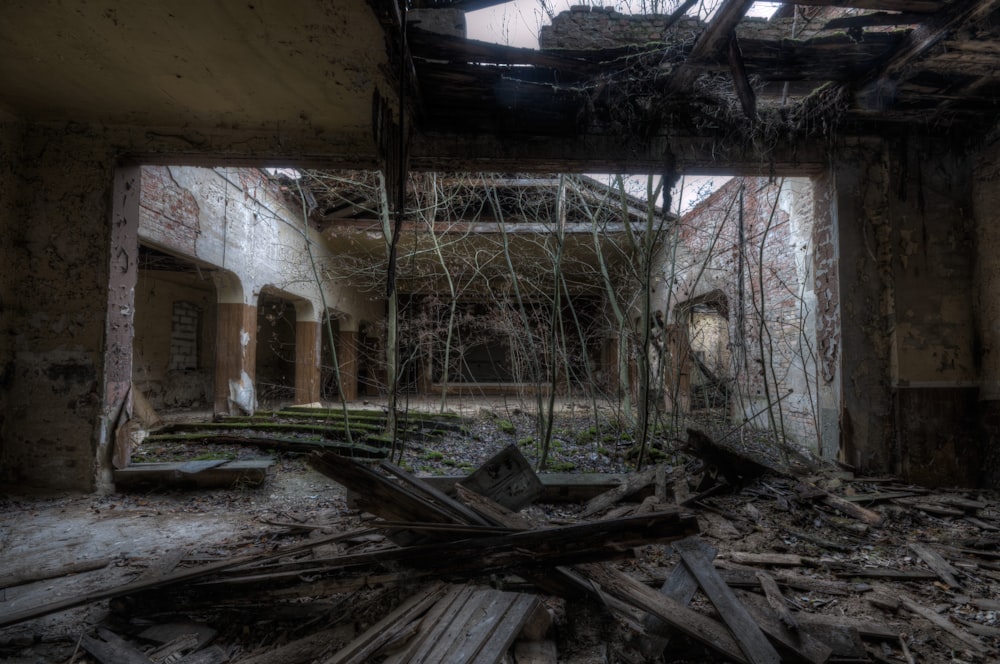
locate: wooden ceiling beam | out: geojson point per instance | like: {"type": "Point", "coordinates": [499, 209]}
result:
{"type": "Point", "coordinates": [915, 6]}
{"type": "Point", "coordinates": [879, 89]}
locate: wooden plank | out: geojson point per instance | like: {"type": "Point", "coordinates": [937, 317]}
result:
{"type": "Point", "coordinates": [381, 496]}
{"type": "Point", "coordinates": [797, 646]}
{"type": "Point", "coordinates": [369, 642]}
{"type": "Point", "coordinates": [556, 487]}
{"type": "Point", "coordinates": [492, 511]}
{"type": "Point", "coordinates": [179, 576]}
{"type": "Point", "coordinates": [941, 567]}
{"type": "Point", "coordinates": [443, 633]}
{"type": "Point", "coordinates": [943, 623]}
{"type": "Point", "coordinates": [465, 514]}
{"type": "Point", "coordinates": [632, 483]}
{"type": "Point", "coordinates": [679, 617]}
{"type": "Point", "coordinates": [843, 506]}
{"type": "Point", "coordinates": [771, 559]}
{"type": "Point", "coordinates": [680, 586]}
{"type": "Point", "coordinates": [748, 635]}
{"type": "Point", "coordinates": [431, 622]}
{"type": "Point", "coordinates": [112, 649]}
{"type": "Point", "coordinates": [777, 600]}
{"type": "Point", "coordinates": [504, 635]}
{"type": "Point", "coordinates": [23, 575]}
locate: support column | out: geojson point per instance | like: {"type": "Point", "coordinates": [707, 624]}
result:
{"type": "Point", "coordinates": [64, 377]}
{"type": "Point", "coordinates": [677, 377]}
{"type": "Point", "coordinates": [861, 215]}
{"type": "Point", "coordinates": [347, 355]}
{"type": "Point", "coordinates": [235, 359]}
{"type": "Point", "coordinates": [307, 349]}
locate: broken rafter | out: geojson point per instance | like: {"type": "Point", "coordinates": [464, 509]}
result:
{"type": "Point", "coordinates": [712, 43]}
{"type": "Point", "coordinates": [748, 99]}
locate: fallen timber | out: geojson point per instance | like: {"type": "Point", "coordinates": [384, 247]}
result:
{"type": "Point", "coordinates": [517, 553]}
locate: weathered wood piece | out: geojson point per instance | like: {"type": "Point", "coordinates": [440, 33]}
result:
{"type": "Point", "coordinates": [556, 487]}
{"type": "Point", "coordinates": [492, 511]}
{"type": "Point", "coordinates": [467, 515]}
{"type": "Point", "coordinates": [679, 617]}
{"type": "Point", "coordinates": [369, 642]}
{"type": "Point", "coordinates": [768, 559]}
{"type": "Point", "coordinates": [472, 625]}
{"type": "Point", "coordinates": [885, 573]}
{"type": "Point", "coordinates": [177, 577]}
{"type": "Point", "coordinates": [933, 559]}
{"type": "Point", "coordinates": [777, 600]}
{"type": "Point", "coordinates": [680, 586]}
{"type": "Point", "coordinates": [507, 479]}
{"type": "Point", "coordinates": [795, 645]}
{"type": "Point", "coordinates": [864, 626]}
{"type": "Point", "coordinates": [378, 494]}
{"type": "Point", "coordinates": [943, 623]}
{"type": "Point", "coordinates": [632, 483]}
{"type": "Point", "coordinates": [112, 649]}
{"type": "Point", "coordinates": [841, 505]}
{"type": "Point", "coordinates": [195, 467]}
{"type": "Point", "coordinates": [22, 575]}
{"type": "Point", "coordinates": [748, 635]}
{"type": "Point", "coordinates": [207, 475]}
{"type": "Point", "coordinates": [747, 578]}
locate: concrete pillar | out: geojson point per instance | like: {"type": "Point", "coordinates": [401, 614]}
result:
{"type": "Point", "coordinates": [307, 361]}
{"type": "Point", "coordinates": [347, 355]}
{"type": "Point", "coordinates": [235, 358]}
{"type": "Point", "coordinates": [859, 208]}
{"type": "Point", "coordinates": [826, 285]}
{"type": "Point", "coordinates": [62, 374]}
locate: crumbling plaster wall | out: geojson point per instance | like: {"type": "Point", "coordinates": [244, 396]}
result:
{"type": "Point", "coordinates": [236, 220]}
{"type": "Point", "coordinates": [239, 223]}
{"type": "Point", "coordinates": [777, 225]}
{"type": "Point", "coordinates": [56, 223]}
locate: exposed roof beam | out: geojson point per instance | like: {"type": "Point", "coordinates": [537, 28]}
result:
{"type": "Point", "coordinates": [712, 43]}
{"type": "Point", "coordinates": [917, 6]}
{"type": "Point", "coordinates": [748, 99]}
{"type": "Point", "coordinates": [610, 153]}
{"type": "Point", "coordinates": [920, 40]}
{"type": "Point", "coordinates": [873, 20]}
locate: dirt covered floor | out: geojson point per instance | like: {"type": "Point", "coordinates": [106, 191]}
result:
{"type": "Point", "coordinates": [911, 576]}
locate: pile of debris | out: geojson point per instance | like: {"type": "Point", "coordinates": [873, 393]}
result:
{"type": "Point", "coordinates": [740, 562]}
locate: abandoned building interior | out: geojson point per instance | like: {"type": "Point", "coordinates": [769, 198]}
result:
{"type": "Point", "coordinates": [222, 212]}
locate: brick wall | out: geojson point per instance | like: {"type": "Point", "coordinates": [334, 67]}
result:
{"type": "Point", "coordinates": [758, 272]}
